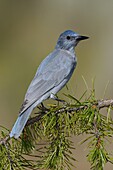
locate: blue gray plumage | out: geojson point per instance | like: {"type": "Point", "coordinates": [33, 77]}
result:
{"type": "Point", "coordinates": [52, 75]}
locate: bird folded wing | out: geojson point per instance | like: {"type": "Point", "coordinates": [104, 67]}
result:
{"type": "Point", "coordinates": [51, 75]}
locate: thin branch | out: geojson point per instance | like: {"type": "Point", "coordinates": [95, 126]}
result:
{"type": "Point", "coordinates": [99, 104]}
{"type": "Point", "coordinates": [104, 103]}
{"type": "Point", "coordinates": [4, 141]}
{"type": "Point", "coordinates": [9, 157]}
{"type": "Point", "coordinates": [36, 118]}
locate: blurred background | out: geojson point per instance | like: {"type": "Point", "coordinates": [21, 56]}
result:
{"type": "Point", "coordinates": [29, 31]}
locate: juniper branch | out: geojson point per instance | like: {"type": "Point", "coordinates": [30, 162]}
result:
{"type": "Point", "coordinates": [59, 122]}
{"type": "Point", "coordinates": [99, 104]}
{"type": "Point", "coordinates": [4, 140]}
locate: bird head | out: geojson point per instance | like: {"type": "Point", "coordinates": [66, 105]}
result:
{"type": "Point", "coordinates": [68, 40]}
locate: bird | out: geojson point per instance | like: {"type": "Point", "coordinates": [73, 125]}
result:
{"type": "Point", "coordinates": [51, 76]}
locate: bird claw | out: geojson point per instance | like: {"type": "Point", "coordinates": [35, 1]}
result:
{"type": "Point", "coordinates": [42, 107]}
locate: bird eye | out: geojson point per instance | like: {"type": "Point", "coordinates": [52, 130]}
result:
{"type": "Point", "coordinates": [68, 37]}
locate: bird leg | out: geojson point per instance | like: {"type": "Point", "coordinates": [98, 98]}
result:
{"type": "Point", "coordinates": [52, 96]}
{"type": "Point", "coordinates": [42, 107]}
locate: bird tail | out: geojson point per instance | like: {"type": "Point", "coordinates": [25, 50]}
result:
{"type": "Point", "coordinates": [20, 123]}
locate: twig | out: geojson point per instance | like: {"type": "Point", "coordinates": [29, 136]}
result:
{"type": "Point", "coordinates": [9, 157]}
{"type": "Point", "coordinates": [35, 119]}
{"type": "Point", "coordinates": [4, 141]}
{"type": "Point", "coordinates": [104, 103]}
{"type": "Point", "coordinates": [99, 104]}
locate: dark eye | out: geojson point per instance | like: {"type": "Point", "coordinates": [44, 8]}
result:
{"type": "Point", "coordinates": [68, 37]}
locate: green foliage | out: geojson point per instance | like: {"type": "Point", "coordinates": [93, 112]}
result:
{"type": "Point", "coordinates": [47, 144]}
{"type": "Point", "coordinates": [11, 156]}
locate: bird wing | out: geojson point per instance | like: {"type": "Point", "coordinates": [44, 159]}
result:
{"type": "Point", "coordinates": [52, 71]}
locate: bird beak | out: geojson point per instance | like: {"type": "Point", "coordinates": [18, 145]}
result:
{"type": "Point", "coordinates": [81, 37]}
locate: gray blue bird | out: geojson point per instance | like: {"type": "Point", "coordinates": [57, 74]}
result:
{"type": "Point", "coordinates": [51, 76]}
